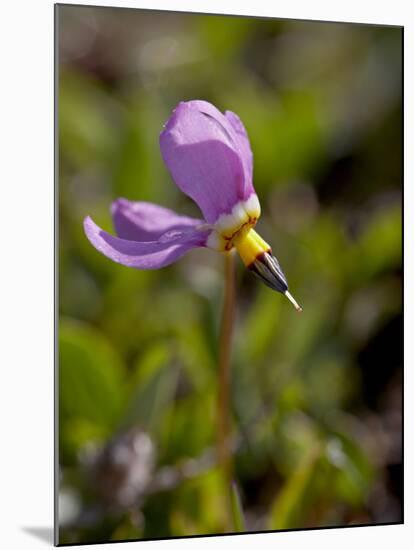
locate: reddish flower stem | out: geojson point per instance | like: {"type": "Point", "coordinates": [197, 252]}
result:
{"type": "Point", "coordinates": [224, 451]}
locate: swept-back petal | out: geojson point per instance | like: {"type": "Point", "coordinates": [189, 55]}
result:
{"type": "Point", "coordinates": [246, 151]}
{"type": "Point", "coordinates": [144, 255]}
{"type": "Point", "coordinates": [145, 221]}
{"type": "Point", "coordinates": [203, 153]}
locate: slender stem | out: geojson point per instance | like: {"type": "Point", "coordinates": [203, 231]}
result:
{"type": "Point", "coordinates": [224, 451]}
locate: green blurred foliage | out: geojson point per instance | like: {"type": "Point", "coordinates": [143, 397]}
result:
{"type": "Point", "coordinates": [316, 398]}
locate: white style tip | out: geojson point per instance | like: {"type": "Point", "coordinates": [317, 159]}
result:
{"type": "Point", "coordinates": [294, 302]}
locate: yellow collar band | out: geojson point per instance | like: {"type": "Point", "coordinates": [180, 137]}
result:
{"type": "Point", "coordinates": [235, 230]}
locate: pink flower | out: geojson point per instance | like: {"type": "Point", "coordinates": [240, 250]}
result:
{"type": "Point", "coordinates": [209, 157]}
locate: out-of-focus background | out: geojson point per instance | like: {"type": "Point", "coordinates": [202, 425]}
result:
{"type": "Point", "coordinates": [316, 398]}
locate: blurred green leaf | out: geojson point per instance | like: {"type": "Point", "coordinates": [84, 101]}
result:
{"type": "Point", "coordinates": [91, 376]}
{"type": "Point", "coordinates": [198, 505]}
{"type": "Point", "coordinates": [287, 508]}
{"type": "Point", "coordinates": [152, 386]}
{"type": "Point", "coordinates": [198, 360]}
{"type": "Point", "coordinates": [91, 387]}
{"type": "Point", "coordinates": [379, 247]}
{"type": "Point", "coordinates": [237, 511]}
{"type": "Point", "coordinates": [259, 326]}
{"type": "Point", "coordinates": [354, 471]}
{"type": "Point", "coordinates": [192, 414]}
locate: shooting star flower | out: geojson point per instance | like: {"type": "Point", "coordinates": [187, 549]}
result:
{"type": "Point", "coordinates": [209, 157]}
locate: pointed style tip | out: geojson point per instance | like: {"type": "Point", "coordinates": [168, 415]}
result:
{"type": "Point", "coordinates": [294, 302]}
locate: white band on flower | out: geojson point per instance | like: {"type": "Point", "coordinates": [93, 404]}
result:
{"type": "Point", "coordinates": [243, 216]}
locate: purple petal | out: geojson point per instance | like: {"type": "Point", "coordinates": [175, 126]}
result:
{"type": "Point", "coordinates": [244, 147]}
{"type": "Point", "coordinates": [205, 155]}
{"type": "Point", "coordinates": [144, 255]}
{"type": "Point", "coordinates": [145, 221]}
